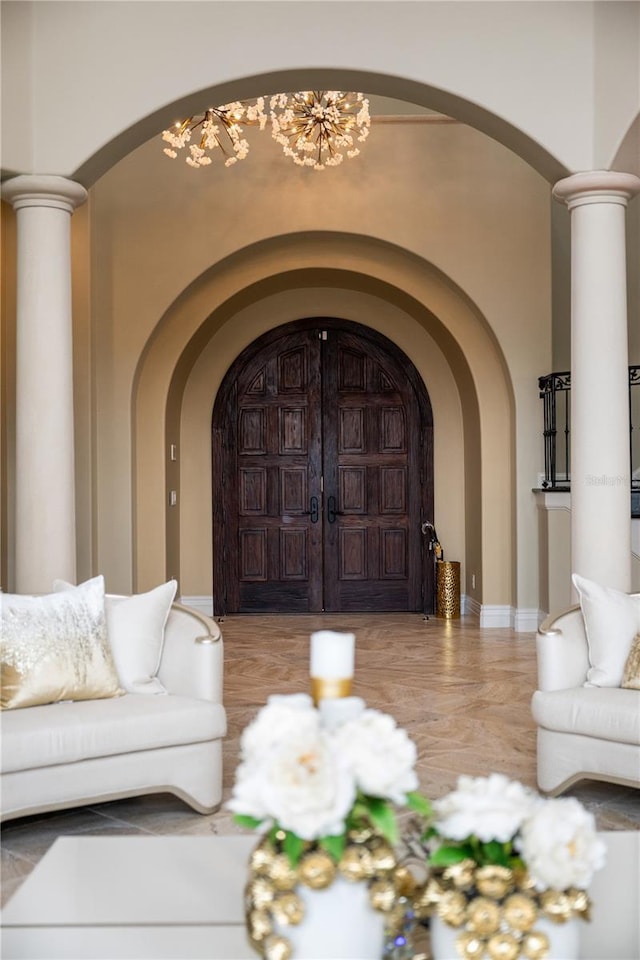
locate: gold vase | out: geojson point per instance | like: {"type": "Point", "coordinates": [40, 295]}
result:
{"type": "Point", "coordinates": [448, 589]}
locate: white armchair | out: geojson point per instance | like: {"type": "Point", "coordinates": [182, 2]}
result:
{"type": "Point", "coordinates": [75, 753]}
{"type": "Point", "coordinates": [584, 732]}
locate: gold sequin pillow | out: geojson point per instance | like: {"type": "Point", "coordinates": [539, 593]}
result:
{"type": "Point", "coordinates": [631, 675]}
{"type": "Point", "coordinates": [55, 647]}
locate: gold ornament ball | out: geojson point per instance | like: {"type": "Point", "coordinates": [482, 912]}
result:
{"type": "Point", "coordinates": [520, 912]}
{"type": "Point", "coordinates": [288, 909]}
{"type": "Point", "coordinates": [405, 881]}
{"type": "Point", "coordinates": [355, 863]}
{"type": "Point", "coordinates": [494, 881]}
{"type": "Point", "coordinates": [260, 892]}
{"type": "Point", "coordinates": [427, 898]}
{"type": "Point", "coordinates": [281, 873]}
{"type": "Point", "coordinates": [277, 948]}
{"type": "Point", "coordinates": [261, 859]}
{"type": "Point", "coordinates": [461, 874]}
{"type": "Point", "coordinates": [382, 895]}
{"type": "Point", "coordinates": [503, 946]}
{"type": "Point", "coordinates": [452, 907]}
{"type": "Point", "coordinates": [317, 870]}
{"type": "Point", "coordinates": [580, 903]}
{"type": "Point", "coordinates": [470, 946]}
{"type": "Point", "coordinates": [483, 916]}
{"type": "Point", "coordinates": [260, 925]}
{"type": "Point", "coordinates": [557, 906]}
{"type": "Point", "coordinates": [535, 945]}
{"type": "Point", "coordinates": [383, 859]}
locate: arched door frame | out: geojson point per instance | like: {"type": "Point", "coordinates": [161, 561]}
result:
{"type": "Point", "coordinates": [381, 348]}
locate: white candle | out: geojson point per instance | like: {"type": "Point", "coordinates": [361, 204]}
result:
{"type": "Point", "coordinates": [332, 655]}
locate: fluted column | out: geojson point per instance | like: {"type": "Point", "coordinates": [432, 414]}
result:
{"type": "Point", "coordinates": [600, 468]}
{"type": "Point", "coordinates": [45, 527]}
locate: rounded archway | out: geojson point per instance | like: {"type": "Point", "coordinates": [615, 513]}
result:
{"type": "Point", "coordinates": [401, 296]}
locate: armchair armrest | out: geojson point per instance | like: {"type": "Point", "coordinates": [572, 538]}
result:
{"type": "Point", "coordinates": [562, 651]}
{"type": "Point", "coordinates": [192, 655]}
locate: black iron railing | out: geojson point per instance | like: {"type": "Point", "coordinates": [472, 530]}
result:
{"type": "Point", "coordinates": [555, 392]}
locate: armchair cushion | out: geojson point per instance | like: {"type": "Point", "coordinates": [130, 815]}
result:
{"type": "Point", "coordinates": [606, 714]}
{"type": "Point", "coordinates": [612, 620]}
{"type": "Point", "coordinates": [72, 732]}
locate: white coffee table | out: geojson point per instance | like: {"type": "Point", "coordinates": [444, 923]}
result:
{"type": "Point", "coordinates": [154, 898]}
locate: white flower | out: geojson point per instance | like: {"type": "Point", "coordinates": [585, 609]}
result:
{"type": "Point", "coordinates": [276, 722]}
{"type": "Point", "coordinates": [381, 754]}
{"type": "Point", "coordinates": [560, 846]}
{"type": "Point", "coordinates": [301, 781]}
{"type": "Point", "coordinates": [490, 808]}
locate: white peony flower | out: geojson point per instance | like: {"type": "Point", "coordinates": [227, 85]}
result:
{"type": "Point", "coordinates": [560, 846]}
{"type": "Point", "coordinates": [381, 755]}
{"type": "Point", "coordinates": [490, 808]}
{"type": "Point", "coordinates": [275, 723]}
{"type": "Point", "coordinates": [301, 781]}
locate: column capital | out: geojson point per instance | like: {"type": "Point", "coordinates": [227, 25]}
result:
{"type": "Point", "coordinates": [597, 186]}
{"type": "Point", "coordinates": [43, 191]}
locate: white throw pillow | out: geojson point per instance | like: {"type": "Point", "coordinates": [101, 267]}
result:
{"type": "Point", "coordinates": [55, 647]}
{"type": "Point", "coordinates": [135, 627]}
{"type": "Point", "coordinates": [611, 619]}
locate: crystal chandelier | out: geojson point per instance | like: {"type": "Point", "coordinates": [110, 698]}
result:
{"type": "Point", "coordinates": [315, 128]}
{"type": "Point", "coordinates": [220, 129]}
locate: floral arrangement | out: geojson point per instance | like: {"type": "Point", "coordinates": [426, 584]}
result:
{"type": "Point", "coordinates": [321, 784]}
{"type": "Point", "coordinates": [501, 859]}
{"type": "Point", "coordinates": [314, 774]}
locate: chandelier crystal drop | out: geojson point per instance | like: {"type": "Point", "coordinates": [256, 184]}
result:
{"type": "Point", "coordinates": [315, 128]}
{"type": "Point", "coordinates": [220, 129]}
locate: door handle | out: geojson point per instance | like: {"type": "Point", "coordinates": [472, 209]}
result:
{"type": "Point", "coordinates": [332, 512]}
{"type": "Point", "coordinates": [314, 510]}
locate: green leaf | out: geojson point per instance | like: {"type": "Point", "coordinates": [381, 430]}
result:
{"type": "Point", "coordinates": [243, 820]}
{"type": "Point", "coordinates": [334, 845]}
{"type": "Point", "coordinates": [293, 847]}
{"type": "Point", "coordinates": [494, 852]}
{"type": "Point", "coordinates": [445, 856]}
{"type": "Point", "coordinates": [382, 817]}
{"type": "Point", "coordinates": [419, 803]}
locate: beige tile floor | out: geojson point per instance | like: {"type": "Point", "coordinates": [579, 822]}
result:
{"type": "Point", "coordinates": [462, 694]}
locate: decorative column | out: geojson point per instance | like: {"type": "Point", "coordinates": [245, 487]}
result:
{"type": "Point", "coordinates": [600, 468]}
{"type": "Point", "coordinates": [45, 527]}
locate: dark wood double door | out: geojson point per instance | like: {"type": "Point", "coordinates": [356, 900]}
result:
{"type": "Point", "coordinates": [322, 466]}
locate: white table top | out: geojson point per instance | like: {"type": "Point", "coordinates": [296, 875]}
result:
{"type": "Point", "coordinates": [154, 898]}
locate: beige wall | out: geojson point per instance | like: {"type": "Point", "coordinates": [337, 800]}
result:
{"type": "Point", "coordinates": [454, 227]}
{"type": "Point", "coordinates": [520, 71]}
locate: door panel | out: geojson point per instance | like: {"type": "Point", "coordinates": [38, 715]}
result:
{"type": "Point", "coordinates": [371, 439]}
{"type": "Point", "coordinates": [276, 467]}
{"type": "Point", "coordinates": [322, 476]}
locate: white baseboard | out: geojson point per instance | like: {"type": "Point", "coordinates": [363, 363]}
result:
{"type": "Point", "coordinates": [488, 615]}
{"type": "Point", "coordinates": [201, 604]}
{"type": "Point", "coordinates": [469, 607]}
{"type": "Point", "coordinates": [496, 615]}
{"type": "Point", "coordinates": [527, 620]}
